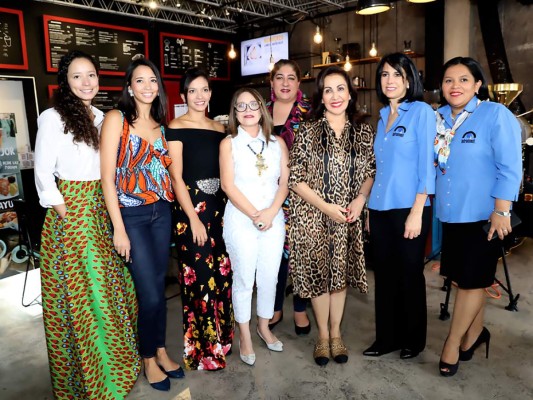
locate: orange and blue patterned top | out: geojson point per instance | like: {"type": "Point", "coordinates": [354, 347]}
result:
{"type": "Point", "coordinates": [142, 175]}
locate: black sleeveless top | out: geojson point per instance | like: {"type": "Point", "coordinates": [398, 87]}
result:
{"type": "Point", "coordinates": [200, 152]}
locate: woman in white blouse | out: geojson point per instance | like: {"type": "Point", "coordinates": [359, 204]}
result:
{"type": "Point", "coordinates": [88, 296]}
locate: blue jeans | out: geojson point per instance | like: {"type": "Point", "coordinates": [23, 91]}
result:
{"type": "Point", "coordinates": [149, 229]}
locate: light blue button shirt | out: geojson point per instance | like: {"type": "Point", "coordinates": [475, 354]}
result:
{"type": "Point", "coordinates": [404, 157]}
{"type": "Point", "coordinates": [485, 163]}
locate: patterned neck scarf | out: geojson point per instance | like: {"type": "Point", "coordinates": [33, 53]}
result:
{"type": "Point", "coordinates": [295, 118]}
{"type": "Point", "coordinates": [445, 136]}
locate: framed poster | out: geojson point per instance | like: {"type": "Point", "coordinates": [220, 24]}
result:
{"type": "Point", "coordinates": [18, 122]}
{"type": "Point", "coordinates": [18, 117]}
{"type": "Point", "coordinates": [13, 53]}
{"type": "Point", "coordinates": [112, 46]}
{"type": "Point", "coordinates": [179, 52]}
{"type": "Point", "coordinates": [106, 99]}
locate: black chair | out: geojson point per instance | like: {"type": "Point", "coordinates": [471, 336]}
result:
{"type": "Point", "coordinates": [25, 249]}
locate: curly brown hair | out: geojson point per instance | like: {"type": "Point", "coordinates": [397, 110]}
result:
{"type": "Point", "coordinates": [73, 112]}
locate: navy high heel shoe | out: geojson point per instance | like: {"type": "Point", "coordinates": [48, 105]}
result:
{"type": "Point", "coordinates": [484, 337]}
{"type": "Point", "coordinates": [163, 385]}
{"type": "Point", "coordinates": [448, 369]}
{"type": "Point", "coordinates": [175, 374]}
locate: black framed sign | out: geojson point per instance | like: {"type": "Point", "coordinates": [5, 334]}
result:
{"type": "Point", "coordinates": [112, 46]}
{"type": "Point", "coordinates": [13, 54]}
{"type": "Point", "coordinates": [179, 52]}
{"type": "Point", "coordinates": [105, 100]}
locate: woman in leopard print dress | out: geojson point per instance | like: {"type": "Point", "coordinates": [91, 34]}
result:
{"type": "Point", "coordinates": [332, 168]}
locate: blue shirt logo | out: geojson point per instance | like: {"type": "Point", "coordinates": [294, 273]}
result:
{"type": "Point", "coordinates": [399, 131]}
{"type": "Point", "coordinates": [469, 137]}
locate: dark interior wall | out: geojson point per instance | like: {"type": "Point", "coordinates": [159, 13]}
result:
{"type": "Point", "coordinates": [33, 12]}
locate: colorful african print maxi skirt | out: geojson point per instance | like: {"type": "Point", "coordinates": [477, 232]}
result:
{"type": "Point", "coordinates": [89, 303]}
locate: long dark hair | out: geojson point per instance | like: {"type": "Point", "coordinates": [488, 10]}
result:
{"type": "Point", "coordinates": [293, 64]}
{"type": "Point", "coordinates": [404, 65]}
{"type": "Point", "coordinates": [475, 69]}
{"type": "Point", "coordinates": [265, 121]}
{"type": "Point", "coordinates": [74, 114]}
{"type": "Point", "coordinates": [126, 104]}
{"type": "Point", "coordinates": [318, 108]}
{"type": "Point", "coordinates": [190, 75]}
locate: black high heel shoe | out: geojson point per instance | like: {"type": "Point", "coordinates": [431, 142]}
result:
{"type": "Point", "coordinates": [484, 337]}
{"type": "Point", "coordinates": [302, 330]}
{"type": "Point", "coordinates": [273, 324]}
{"type": "Point", "coordinates": [446, 369]}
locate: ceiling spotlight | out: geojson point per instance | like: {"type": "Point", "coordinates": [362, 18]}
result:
{"type": "Point", "coordinates": [178, 4]}
{"type": "Point", "coordinates": [152, 5]}
{"type": "Point", "coordinates": [318, 37]}
{"type": "Point", "coordinates": [232, 53]}
{"type": "Point", "coordinates": [373, 50]}
{"type": "Point", "coordinates": [369, 7]}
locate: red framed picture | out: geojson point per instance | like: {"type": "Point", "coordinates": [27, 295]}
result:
{"type": "Point", "coordinates": [13, 53]}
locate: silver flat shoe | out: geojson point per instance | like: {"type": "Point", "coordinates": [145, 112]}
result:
{"type": "Point", "coordinates": [248, 359]}
{"type": "Point", "coordinates": [276, 346]}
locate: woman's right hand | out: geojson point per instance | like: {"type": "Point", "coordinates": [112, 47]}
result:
{"type": "Point", "coordinates": [122, 244]}
{"type": "Point", "coordinates": [199, 233]}
{"type": "Point", "coordinates": [335, 212]}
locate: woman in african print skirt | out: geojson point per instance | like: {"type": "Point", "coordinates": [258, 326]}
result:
{"type": "Point", "coordinates": [89, 305]}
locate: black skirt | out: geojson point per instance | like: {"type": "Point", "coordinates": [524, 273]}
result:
{"type": "Point", "coordinates": [468, 258]}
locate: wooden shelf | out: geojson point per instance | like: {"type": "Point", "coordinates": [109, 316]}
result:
{"type": "Point", "coordinates": [361, 61]}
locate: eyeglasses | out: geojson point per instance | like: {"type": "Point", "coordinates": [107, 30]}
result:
{"type": "Point", "coordinates": [253, 106]}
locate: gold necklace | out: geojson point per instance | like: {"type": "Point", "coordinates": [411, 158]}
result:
{"type": "Point", "coordinates": [260, 162]}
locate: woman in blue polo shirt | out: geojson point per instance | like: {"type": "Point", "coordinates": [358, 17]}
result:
{"type": "Point", "coordinates": [400, 215]}
{"type": "Point", "coordinates": [478, 177]}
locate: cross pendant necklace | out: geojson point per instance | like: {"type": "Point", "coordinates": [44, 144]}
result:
{"type": "Point", "coordinates": [260, 162]}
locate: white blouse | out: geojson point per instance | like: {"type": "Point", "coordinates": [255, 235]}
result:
{"type": "Point", "coordinates": [57, 156]}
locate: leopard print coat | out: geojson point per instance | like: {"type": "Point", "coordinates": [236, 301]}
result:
{"type": "Point", "coordinates": [326, 255]}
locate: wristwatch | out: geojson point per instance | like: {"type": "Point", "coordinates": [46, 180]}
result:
{"type": "Point", "coordinates": [502, 213]}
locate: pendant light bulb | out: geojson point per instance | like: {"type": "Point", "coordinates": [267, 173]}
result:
{"type": "Point", "coordinates": [373, 50]}
{"type": "Point", "coordinates": [347, 65]}
{"type": "Point", "coordinates": [271, 63]}
{"type": "Point", "coordinates": [232, 53]}
{"type": "Point", "coordinates": [318, 36]}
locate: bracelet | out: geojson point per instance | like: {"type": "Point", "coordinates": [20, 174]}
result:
{"type": "Point", "coordinates": [502, 213]}
{"type": "Point", "coordinates": [364, 195]}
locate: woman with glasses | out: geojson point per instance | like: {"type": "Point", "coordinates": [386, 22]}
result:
{"type": "Point", "coordinates": [205, 270]}
{"type": "Point", "coordinates": [254, 174]}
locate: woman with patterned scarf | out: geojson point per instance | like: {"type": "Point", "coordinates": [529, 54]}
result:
{"type": "Point", "coordinates": [288, 107]}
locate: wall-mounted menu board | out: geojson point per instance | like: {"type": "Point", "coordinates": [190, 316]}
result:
{"type": "Point", "coordinates": [180, 52]}
{"type": "Point", "coordinates": [106, 99]}
{"type": "Point", "coordinates": [113, 46]}
{"type": "Point", "coordinates": [13, 53]}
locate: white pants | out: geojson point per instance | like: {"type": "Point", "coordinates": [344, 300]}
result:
{"type": "Point", "coordinates": [255, 256]}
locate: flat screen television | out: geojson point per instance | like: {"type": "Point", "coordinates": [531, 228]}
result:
{"type": "Point", "coordinates": [255, 53]}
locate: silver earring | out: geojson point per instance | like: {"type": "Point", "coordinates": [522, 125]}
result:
{"type": "Point", "coordinates": [130, 92]}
